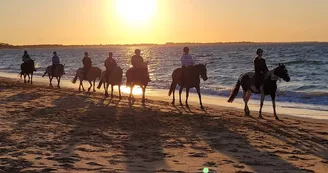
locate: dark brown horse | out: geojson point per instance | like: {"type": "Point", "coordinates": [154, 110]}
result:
{"type": "Point", "coordinates": [27, 70]}
{"type": "Point", "coordinates": [137, 77]}
{"type": "Point", "coordinates": [57, 73]}
{"type": "Point", "coordinates": [190, 80]}
{"type": "Point", "coordinates": [247, 82]}
{"type": "Point", "coordinates": [115, 78]}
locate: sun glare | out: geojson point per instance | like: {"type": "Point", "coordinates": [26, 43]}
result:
{"type": "Point", "coordinates": [136, 11]}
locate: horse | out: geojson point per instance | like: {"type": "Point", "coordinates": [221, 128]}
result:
{"type": "Point", "coordinates": [115, 78]}
{"type": "Point", "coordinates": [58, 72]}
{"type": "Point", "coordinates": [247, 81]}
{"type": "Point", "coordinates": [92, 75]}
{"type": "Point", "coordinates": [191, 80]}
{"type": "Point", "coordinates": [27, 70]}
{"type": "Point", "coordinates": [137, 77]}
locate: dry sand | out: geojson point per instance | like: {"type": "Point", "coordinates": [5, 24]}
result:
{"type": "Point", "coordinates": [52, 130]}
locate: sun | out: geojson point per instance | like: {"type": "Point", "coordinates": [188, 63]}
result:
{"type": "Point", "coordinates": [136, 11]}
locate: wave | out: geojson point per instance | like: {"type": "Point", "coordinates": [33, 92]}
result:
{"type": "Point", "coordinates": [304, 62]}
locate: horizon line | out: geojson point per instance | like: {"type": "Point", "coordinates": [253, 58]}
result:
{"type": "Point", "coordinates": [159, 44]}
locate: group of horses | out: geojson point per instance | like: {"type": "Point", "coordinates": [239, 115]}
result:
{"type": "Point", "coordinates": [190, 79]}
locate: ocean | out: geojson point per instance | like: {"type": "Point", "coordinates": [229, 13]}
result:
{"type": "Point", "coordinates": [307, 64]}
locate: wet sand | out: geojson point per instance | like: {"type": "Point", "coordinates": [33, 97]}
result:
{"type": "Point", "coordinates": [62, 130]}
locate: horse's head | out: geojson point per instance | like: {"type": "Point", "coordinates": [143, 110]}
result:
{"type": "Point", "coordinates": [282, 72]}
{"type": "Point", "coordinates": [202, 71]}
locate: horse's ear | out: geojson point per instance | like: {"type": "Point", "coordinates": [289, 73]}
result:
{"type": "Point", "coordinates": [279, 64]}
{"type": "Point", "coordinates": [205, 64]}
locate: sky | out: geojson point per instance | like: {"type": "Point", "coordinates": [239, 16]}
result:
{"type": "Point", "coordinates": [161, 21]}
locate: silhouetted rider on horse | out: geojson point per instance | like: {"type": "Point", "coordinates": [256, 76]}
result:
{"type": "Point", "coordinates": [138, 64]}
{"type": "Point", "coordinates": [187, 63]}
{"type": "Point", "coordinates": [110, 64]}
{"type": "Point", "coordinates": [87, 64]}
{"type": "Point", "coordinates": [55, 62]}
{"type": "Point", "coordinates": [260, 70]}
{"type": "Point", "coordinates": [27, 63]}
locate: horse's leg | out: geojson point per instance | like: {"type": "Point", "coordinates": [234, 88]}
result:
{"type": "Point", "coordinates": [32, 78]}
{"type": "Point", "coordinates": [246, 99]}
{"type": "Point", "coordinates": [106, 85]}
{"type": "Point", "coordinates": [261, 104]}
{"type": "Point", "coordinates": [94, 86]}
{"type": "Point", "coordinates": [80, 85]}
{"type": "Point", "coordinates": [28, 75]}
{"type": "Point", "coordinates": [24, 78]}
{"type": "Point", "coordinates": [90, 86]}
{"type": "Point", "coordinates": [173, 97]}
{"type": "Point", "coordinates": [50, 78]}
{"type": "Point", "coordinates": [58, 79]}
{"type": "Point", "coordinates": [119, 91]}
{"type": "Point", "coordinates": [130, 95]}
{"type": "Point", "coordinates": [143, 94]}
{"type": "Point", "coordinates": [187, 95]}
{"type": "Point", "coordinates": [200, 97]}
{"type": "Point", "coordinates": [180, 91]}
{"type": "Point", "coordinates": [273, 98]}
{"type": "Point", "coordinates": [112, 90]}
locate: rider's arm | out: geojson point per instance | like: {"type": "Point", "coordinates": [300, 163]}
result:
{"type": "Point", "coordinates": [265, 66]}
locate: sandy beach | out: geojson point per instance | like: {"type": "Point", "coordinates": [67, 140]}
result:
{"type": "Point", "coordinates": [62, 130]}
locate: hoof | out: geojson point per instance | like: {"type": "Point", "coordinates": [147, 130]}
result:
{"type": "Point", "coordinates": [181, 104]}
{"type": "Point", "coordinates": [172, 102]}
{"type": "Point", "coordinates": [58, 87]}
{"type": "Point", "coordinates": [202, 107]}
{"type": "Point", "coordinates": [143, 101]}
{"type": "Point", "coordinates": [98, 87]}
{"type": "Point", "coordinates": [187, 105]}
{"type": "Point", "coordinates": [106, 95]}
{"type": "Point", "coordinates": [94, 90]}
{"type": "Point", "coordinates": [260, 117]}
{"type": "Point", "coordinates": [111, 96]}
{"type": "Point", "coordinates": [277, 118]}
{"type": "Point", "coordinates": [120, 97]}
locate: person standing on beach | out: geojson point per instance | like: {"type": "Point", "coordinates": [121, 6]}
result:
{"type": "Point", "coordinates": [260, 70]}
{"type": "Point", "coordinates": [55, 62]}
{"type": "Point", "coordinates": [110, 64]}
{"type": "Point", "coordinates": [87, 63]}
{"type": "Point", "coordinates": [186, 62]}
{"type": "Point", "coordinates": [138, 63]}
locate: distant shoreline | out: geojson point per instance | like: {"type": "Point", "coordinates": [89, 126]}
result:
{"type": "Point", "coordinates": [9, 46]}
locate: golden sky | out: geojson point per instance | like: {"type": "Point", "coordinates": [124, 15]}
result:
{"type": "Point", "coordinates": [160, 21]}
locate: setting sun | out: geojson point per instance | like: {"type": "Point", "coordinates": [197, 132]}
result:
{"type": "Point", "coordinates": [136, 12]}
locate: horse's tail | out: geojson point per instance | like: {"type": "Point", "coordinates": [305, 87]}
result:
{"type": "Point", "coordinates": [173, 86]}
{"type": "Point", "coordinates": [75, 78]}
{"type": "Point", "coordinates": [234, 92]}
{"type": "Point", "coordinates": [45, 73]}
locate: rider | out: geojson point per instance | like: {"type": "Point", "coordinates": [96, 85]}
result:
{"type": "Point", "coordinates": [55, 62]}
{"type": "Point", "coordinates": [186, 61]}
{"type": "Point", "coordinates": [110, 64]}
{"type": "Point", "coordinates": [27, 59]}
{"type": "Point", "coordinates": [138, 62]}
{"type": "Point", "coordinates": [260, 70]}
{"type": "Point", "coordinates": [87, 63]}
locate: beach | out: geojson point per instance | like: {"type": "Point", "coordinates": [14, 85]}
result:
{"type": "Point", "coordinates": [62, 130]}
